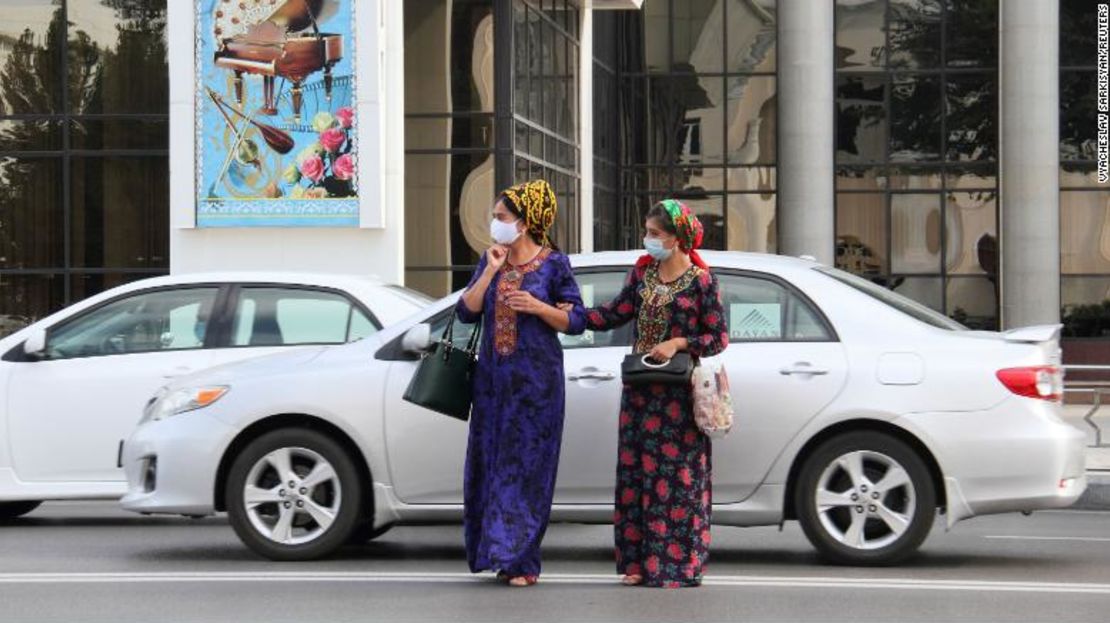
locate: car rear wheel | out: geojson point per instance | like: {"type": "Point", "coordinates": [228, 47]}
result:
{"type": "Point", "coordinates": [294, 494]}
{"type": "Point", "coordinates": [865, 498]}
{"type": "Point", "coordinates": [12, 510]}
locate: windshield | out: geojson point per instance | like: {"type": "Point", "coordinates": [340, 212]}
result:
{"type": "Point", "coordinates": [417, 298]}
{"type": "Point", "coordinates": [905, 305]}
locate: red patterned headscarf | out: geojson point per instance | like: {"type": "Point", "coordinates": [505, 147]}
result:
{"type": "Point", "coordinates": [688, 230]}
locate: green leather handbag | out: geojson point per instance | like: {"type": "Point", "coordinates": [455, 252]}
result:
{"type": "Point", "coordinates": [444, 378]}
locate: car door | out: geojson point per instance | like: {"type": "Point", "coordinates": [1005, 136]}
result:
{"type": "Point", "coordinates": [592, 363]}
{"type": "Point", "coordinates": [785, 364]}
{"type": "Point", "coordinates": [426, 449]}
{"type": "Point", "coordinates": [69, 410]}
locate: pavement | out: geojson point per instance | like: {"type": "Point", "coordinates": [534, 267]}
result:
{"type": "Point", "coordinates": [93, 562]}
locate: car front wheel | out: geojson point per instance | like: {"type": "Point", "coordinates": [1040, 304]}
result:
{"type": "Point", "coordinates": [865, 498]}
{"type": "Point", "coordinates": [294, 494]}
{"type": "Point", "coordinates": [12, 510]}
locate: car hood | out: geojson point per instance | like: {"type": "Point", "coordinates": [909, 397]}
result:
{"type": "Point", "coordinates": [247, 368]}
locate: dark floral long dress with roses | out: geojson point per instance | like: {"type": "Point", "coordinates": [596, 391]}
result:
{"type": "Point", "coordinates": [516, 422]}
{"type": "Point", "coordinates": [663, 497]}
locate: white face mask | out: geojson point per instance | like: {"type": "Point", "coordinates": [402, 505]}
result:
{"type": "Point", "coordinates": [502, 232]}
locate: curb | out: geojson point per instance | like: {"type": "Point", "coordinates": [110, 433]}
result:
{"type": "Point", "coordinates": [1097, 495]}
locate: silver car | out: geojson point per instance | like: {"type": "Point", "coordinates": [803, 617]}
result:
{"type": "Point", "coordinates": [859, 413]}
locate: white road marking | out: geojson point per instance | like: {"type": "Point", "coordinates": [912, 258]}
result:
{"type": "Point", "coordinates": [550, 578]}
{"type": "Point", "coordinates": [1092, 539]}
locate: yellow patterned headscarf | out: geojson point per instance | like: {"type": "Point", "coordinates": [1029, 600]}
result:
{"type": "Point", "coordinates": [535, 200]}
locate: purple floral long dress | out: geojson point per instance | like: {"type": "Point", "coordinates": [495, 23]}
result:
{"type": "Point", "coordinates": [663, 494]}
{"type": "Point", "coordinates": [516, 423]}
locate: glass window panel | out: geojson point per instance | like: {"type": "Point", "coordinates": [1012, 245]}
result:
{"type": "Point", "coordinates": [924, 290]}
{"type": "Point", "coordinates": [915, 118]}
{"type": "Point", "coordinates": [429, 60]}
{"type": "Point", "coordinates": [120, 134]}
{"type": "Point", "coordinates": [120, 212]}
{"type": "Point", "coordinates": [1078, 33]}
{"type": "Point", "coordinates": [915, 233]}
{"type": "Point", "coordinates": [1078, 114]}
{"type": "Point", "coordinates": [117, 57]}
{"type": "Point", "coordinates": [915, 34]}
{"type": "Point", "coordinates": [972, 108]}
{"type": "Point", "coordinates": [31, 213]}
{"type": "Point", "coordinates": [598, 289]}
{"type": "Point", "coordinates": [750, 119]}
{"type": "Point", "coordinates": [972, 33]}
{"type": "Point", "coordinates": [971, 231]}
{"type": "Point", "coordinates": [27, 298]}
{"type": "Point", "coordinates": [971, 176]}
{"type": "Point", "coordinates": [360, 326]}
{"type": "Point", "coordinates": [861, 233]}
{"type": "Point", "coordinates": [860, 34]}
{"type": "Point", "coordinates": [1085, 303]}
{"type": "Point", "coordinates": [751, 36]}
{"type": "Point", "coordinates": [147, 322]}
{"type": "Point", "coordinates": [84, 285]}
{"type": "Point", "coordinates": [286, 316]}
{"type": "Point", "coordinates": [698, 36]}
{"type": "Point", "coordinates": [31, 57]}
{"type": "Point", "coordinates": [913, 178]}
{"type": "Point", "coordinates": [751, 179]}
{"type": "Point", "coordinates": [472, 132]}
{"type": "Point", "coordinates": [701, 179]}
{"type": "Point", "coordinates": [973, 302]}
{"type": "Point", "coordinates": [1076, 175]}
{"type": "Point", "coordinates": [471, 50]}
{"type": "Point", "coordinates": [687, 119]}
{"type": "Point", "coordinates": [751, 222]}
{"type": "Point", "coordinates": [861, 178]}
{"type": "Point", "coordinates": [656, 35]}
{"type": "Point", "coordinates": [16, 135]}
{"type": "Point", "coordinates": [861, 124]}
{"type": "Point", "coordinates": [1084, 232]}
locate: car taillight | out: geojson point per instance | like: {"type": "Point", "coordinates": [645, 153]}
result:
{"type": "Point", "coordinates": [1043, 382]}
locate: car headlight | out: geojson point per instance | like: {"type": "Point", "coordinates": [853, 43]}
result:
{"type": "Point", "coordinates": [183, 400]}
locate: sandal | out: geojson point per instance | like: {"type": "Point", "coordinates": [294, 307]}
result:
{"type": "Point", "coordinates": [502, 576]}
{"type": "Point", "coordinates": [524, 580]}
{"type": "Point", "coordinates": [632, 580]}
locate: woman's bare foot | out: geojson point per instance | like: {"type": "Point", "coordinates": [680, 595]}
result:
{"type": "Point", "coordinates": [632, 580]}
{"type": "Point", "coordinates": [524, 580]}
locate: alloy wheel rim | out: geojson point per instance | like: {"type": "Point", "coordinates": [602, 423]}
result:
{"type": "Point", "coordinates": [292, 496]}
{"type": "Point", "coordinates": [865, 500]}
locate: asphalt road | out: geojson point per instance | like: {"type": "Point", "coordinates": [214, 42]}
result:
{"type": "Point", "coordinates": [91, 562]}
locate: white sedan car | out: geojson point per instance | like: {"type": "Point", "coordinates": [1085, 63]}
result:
{"type": "Point", "coordinates": [859, 413]}
{"type": "Point", "coordinates": [73, 385]}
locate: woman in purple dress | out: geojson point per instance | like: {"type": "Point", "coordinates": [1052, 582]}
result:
{"type": "Point", "coordinates": [663, 495]}
{"type": "Point", "coordinates": [516, 422]}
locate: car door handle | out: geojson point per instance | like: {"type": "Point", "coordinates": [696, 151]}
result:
{"type": "Point", "coordinates": [598, 375]}
{"type": "Point", "coordinates": [803, 367]}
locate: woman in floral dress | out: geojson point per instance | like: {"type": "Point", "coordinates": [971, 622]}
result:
{"type": "Point", "coordinates": [663, 495]}
{"type": "Point", "coordinates": [516, 423]}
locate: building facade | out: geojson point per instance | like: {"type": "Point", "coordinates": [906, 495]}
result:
{"type": "Point", "coordinates": [943, 148]}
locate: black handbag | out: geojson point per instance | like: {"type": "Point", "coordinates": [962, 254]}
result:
{"type": "Point", "coordinates": [640, 369]}
{"type": "Point", "coordinates": [444, 379]}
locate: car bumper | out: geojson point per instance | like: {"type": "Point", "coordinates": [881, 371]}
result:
{"type": "Point", "coordinates": [1018, 456]}
{"type": "Point", "coordinates": [171, 464]}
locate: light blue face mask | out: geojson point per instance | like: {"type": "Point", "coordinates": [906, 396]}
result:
{"type": "Point", "coordinates": [656, 250]}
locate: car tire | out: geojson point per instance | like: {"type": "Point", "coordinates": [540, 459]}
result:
{"type": "Point", "coordinates": [878, 500]}
{"type": "Point", "coordinates": [310, 512]}
{"type": "Point", "coordinates": [13, 510]}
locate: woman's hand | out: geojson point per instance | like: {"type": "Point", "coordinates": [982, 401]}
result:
{"type": "Point", "coordinates": [664, 351]}
{"type": "Point", "coordinates": [522, 301]}
{"type": "Point", "coordinates": [567, 307]}
{"type": "Point", "coordinates": [495, 258]}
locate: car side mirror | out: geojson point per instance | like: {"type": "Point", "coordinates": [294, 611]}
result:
{"type": "Point", "coordinates": [35, 344]}
{"type": "Point", "coordinates": [418, 339]}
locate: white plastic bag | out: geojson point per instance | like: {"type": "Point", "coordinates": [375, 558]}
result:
{"type": "Point", "coordinates": [712, 399]}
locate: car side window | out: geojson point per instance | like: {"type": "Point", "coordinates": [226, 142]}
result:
{"type": "Point", "coordinates": [461, 330]}
{"type": "Point", "coordinates": [269, 316]}
{"type": "Point", "coordinates": [162, 320]}
{"type": "Point", "coordinates": [599, 288]}
{"type": "Point", "coordinates": [761, 310]}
